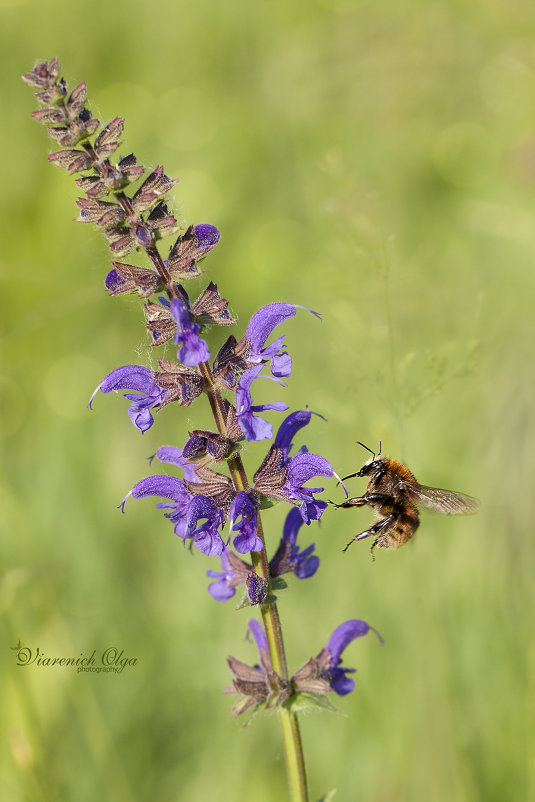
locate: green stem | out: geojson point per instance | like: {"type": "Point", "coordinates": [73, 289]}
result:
{"type": "Point", "coordinates": [293, 749]}
{"type": "Point", "coordinates": [291, 735]}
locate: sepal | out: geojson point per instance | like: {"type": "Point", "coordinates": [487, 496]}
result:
{"type": "Point", "coordinates": [128, 278]}
{"type": "Point", "coordinates": [154, 186]}
{"type": "Point", "coordinates": [75, 161]}
{"type": "Point", "coordinates": [307, 702]}
{"type": "Point", "coordinates": [257, 588]}
{"type": "Point", "coordinates": [108, 140]}
{"type": "Point", "coordinates": [184, 384]}
{"type": "Point", "coordinates": [112, 178]}
{"type": "Point", "coordinates": [211, 309]}
{"type": "Point", "coordinates": [270, 478]}
{"type": "Point", "coordinates": [204, 447]}
{"type": "Point", "coordinates": [190, 248]}
{"type": "Point", "coordinates": [215, 486]}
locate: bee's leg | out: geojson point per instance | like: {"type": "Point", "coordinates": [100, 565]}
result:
{"type": "Point", "coordinates": [374, 544]}
{"type": "Point", "coordinates": [378, 498]}
{"type": "Point", "coordinates": [358, 501]}
{"type": "Point", "coordinates": [374, 530]}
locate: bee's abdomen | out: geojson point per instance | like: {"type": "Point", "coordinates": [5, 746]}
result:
{"type": "Point", "coordinates": [405, 526]}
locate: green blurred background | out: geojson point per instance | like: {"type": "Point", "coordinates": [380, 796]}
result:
{"type": "Point", "coordinates": [373, 161]}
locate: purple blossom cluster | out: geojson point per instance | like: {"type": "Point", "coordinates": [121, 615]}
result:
{"type": "Point", "coordinates": [216, 512]}
{"type": "Point", "coordinates": [260, 685]}
{"type": "Point", "coordinates": [235, 367]}
{"type": "Point", "coordinates": [201, 502]}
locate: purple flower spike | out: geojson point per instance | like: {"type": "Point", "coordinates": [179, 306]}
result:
{"type": "Point", "coordinates": [260, 327]}
{"type": "Point", "coordinates": [192, 349]}
{"type": "Point", "coordinates": [205, 536]}
{"type": "Point", "coordinates": [339, 640]}
{"type": "Point", "coordinates": [288, 558]}
{"type": "Point", "coordinates": [247, 539]}
{"type": "Point", "coordinates": [207, 235]}
{"type": "Point", "coordinates": [254, 428]}
{"type": "Point", "coordinates": [141, 380]}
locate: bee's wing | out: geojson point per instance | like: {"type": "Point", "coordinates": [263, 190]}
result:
{"type": "Point", "coordinates": [448, 502]}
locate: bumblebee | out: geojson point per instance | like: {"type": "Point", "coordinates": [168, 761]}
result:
{"type": "Point", "coordinates": [394, 494]}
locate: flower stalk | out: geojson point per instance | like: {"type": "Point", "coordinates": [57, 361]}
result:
{"type": "Point", "coordinates": [289, 723]}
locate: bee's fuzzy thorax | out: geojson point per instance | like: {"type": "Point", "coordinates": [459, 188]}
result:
{"type": "Point", "coordinates": [401, 470]}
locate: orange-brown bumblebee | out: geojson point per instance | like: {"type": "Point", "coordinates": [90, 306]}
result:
{"type": "Point", "coordinates": [393, 494]}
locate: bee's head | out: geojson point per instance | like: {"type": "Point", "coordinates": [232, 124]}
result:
{"type": "Point", "coordinates": [372, 466]}
{"type": "Point", "coordinates": [375, 464]}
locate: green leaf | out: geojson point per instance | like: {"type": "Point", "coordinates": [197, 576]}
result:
{"type": "Point", "coordinates": [244, 603]}
{"type": "Point", "coordinates": [328, 796]}
{"type": "Point", "coordinates": [266, 503]}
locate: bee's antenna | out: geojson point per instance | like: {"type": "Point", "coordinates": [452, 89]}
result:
{"type": "Point", "coordinates": [369, 449]}
{"type": "Point", "coordinates": [380, 448]}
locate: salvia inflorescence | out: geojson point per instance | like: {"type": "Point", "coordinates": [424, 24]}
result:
{"type": "Point", "coordinates": [217, 513]}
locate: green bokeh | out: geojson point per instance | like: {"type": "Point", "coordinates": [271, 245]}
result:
{"type": "Point", "coordinates": [373, 161]}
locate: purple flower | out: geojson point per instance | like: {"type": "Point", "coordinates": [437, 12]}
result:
{"type": "Point", "coordinates": [244, 509]}
{"type": "Point", "coordinates": [168, 487]}
{"type": "Point", "coordinates": [174, 456]}
{"type": "Point", "coordinates": [148, 394]}
{"type": "Point", "coordinates": [324, 673]}
{"type": "Point", "coordinates": [254, 428]}
{"type": "Point", "coordinates": [234, 572]}
{"type": "Point", "coordinates": [339, 640]}
{"type": "Point", "coordinates": [114, 281]}
{"type": "Point", "coordinates": [258, 684]}
{"type": "Point", "coordinates": [195, 517]}
{"type": "Point", "coordinates": [259, 636]}
{"type": "Point", "coordinates": [192, 349]}
{"type": "Point", "coordinates": [289, 428]}
{"type": "Point", "coordinates": [288, 557]}
{"type": "Point", "coordinates": [301, 468]}
{"type": "Point", "coordinates": [205, 536]}
{"type": "Point", "coordinates": [207, 236]}
{"type": "Point", "coordinates": [260, 327]}
{"type": "Point", "coordinates": [283, 477]}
